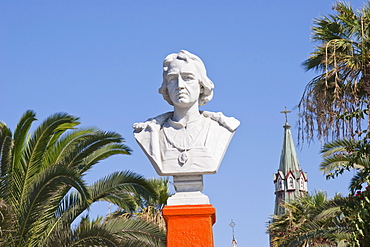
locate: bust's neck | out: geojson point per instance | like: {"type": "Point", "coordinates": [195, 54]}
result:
{"type": "Point", "coordinates": [184, 115]}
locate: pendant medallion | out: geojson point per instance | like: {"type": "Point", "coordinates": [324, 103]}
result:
{"type": "Point", "coordinates": [183, 157]}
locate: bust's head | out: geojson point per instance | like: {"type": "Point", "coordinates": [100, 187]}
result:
{"type": "Point", "coordinates": [205, 84]}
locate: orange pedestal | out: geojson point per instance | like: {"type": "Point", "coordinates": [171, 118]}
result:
{"type": "Point", "coordinates": [189, 225]}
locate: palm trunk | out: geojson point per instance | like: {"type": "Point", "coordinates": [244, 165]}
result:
{"type": "Point", "coordinates": [366, 87]}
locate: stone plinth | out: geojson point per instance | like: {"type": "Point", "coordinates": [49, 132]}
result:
{"type": "Point", "coordinates": [189, 225]}
{"type": "Point", "coordinates": [188, 191]}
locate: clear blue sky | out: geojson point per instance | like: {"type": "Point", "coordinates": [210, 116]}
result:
{"type": "Point", "coordinates": [102, 61]}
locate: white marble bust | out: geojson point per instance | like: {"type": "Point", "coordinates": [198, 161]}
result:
{"type": "Point", "coordinates": [186, 141]}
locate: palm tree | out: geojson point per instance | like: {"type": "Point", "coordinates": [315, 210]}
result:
{"type": "Point", "coordinates": [42, 186]}
{"type": "Point", "coordinates": [351, 155]}
{"type": "Point", "coordinates": [346, 155]}
{"type": "Point", "coordinates": [312, 220]}
{"type": "Point", "coordinates": [151, 210]}
{"type": "Point", "coordinates": [336, 101]}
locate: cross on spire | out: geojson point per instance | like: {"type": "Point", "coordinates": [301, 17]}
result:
{"type": "Point", "coordinates": [233, 242]}
{"type": "Point", "coordinates": [286, 114]}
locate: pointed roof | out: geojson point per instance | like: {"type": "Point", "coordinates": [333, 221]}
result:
{"type": "Point", "coordinates": [288, 158]}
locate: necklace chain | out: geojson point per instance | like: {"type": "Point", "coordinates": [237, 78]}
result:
{"type": "Point", "coordinates": [178, 147]}
{"type": "Point", "coordinates": [183, 157]}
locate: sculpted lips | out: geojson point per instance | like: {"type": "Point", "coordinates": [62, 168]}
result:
{"type": "Point", "coordinates": [181, 93]}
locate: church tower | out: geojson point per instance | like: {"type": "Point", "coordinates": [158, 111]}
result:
{"type": "Point", "coordinates": [290, 181]}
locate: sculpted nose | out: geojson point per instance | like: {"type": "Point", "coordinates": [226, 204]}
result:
{"type": "Point", "coordinates": [180, 82]}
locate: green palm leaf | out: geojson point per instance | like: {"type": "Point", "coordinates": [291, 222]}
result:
{"type": "Point", "coordinates": [39, 192]}
{"type": "Point", "coordinates": [137, 232]}
{"type": "Point", "coordinates": [119, 188]}
{"type": "Point", "coordinates": [313, 220]}
{"type": "Point", "coordinates": [102, 153]}
{"type": "Point", "coordinates": [35, 149]}
{"type": "Point", "coordinates": [66, 143]}
{"type": "Point", "coordinates": [5, 158]}
{"type": "Point", "coordinates": [44, 192]}
{"type": "Point", "coordinates": [117, 232]}
{"type": "Point", "coordinates": [76, 157]}
{"type": "Point", "coordinates": [335, 102]}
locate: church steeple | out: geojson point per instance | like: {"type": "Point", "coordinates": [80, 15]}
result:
{"type": "Point", "coordinates": [290, 181]}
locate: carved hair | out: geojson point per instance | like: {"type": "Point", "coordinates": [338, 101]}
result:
{"type": "Point", "coordinates": [205, 83]}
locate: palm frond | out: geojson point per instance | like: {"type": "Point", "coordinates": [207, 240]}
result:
{"type": "Point", "coordinates": [6, 147]}
{"type": "Point", "coordinates": [76, 157]}
{"type": "Point", "coordinates": [18, 166]}
{"type": "Point", "coordinates": [67, 142]}
{"type": "Point", "coordinates": [37, 146]}
{"type": "Point", "coordinates": [115, 232]}
{"type": "Point", "coordinates": [43, 187]}
{"type": "Point", "coordinates": [120, 185]}
{"type": "Point", "coordinates": [338, 145]}
{"type": "Point", "coordinates": [357, 181]}
{"type": "Point", "coordinates": [135, 232]}
{"type": "Point", "coordinates": [334, 103]}
{"type": "Point", "coordinates": [119, 188]}
{"type": "Point", "coordinates": [312, 219]}
{"type": "Point", "coordinates": [102, 153]}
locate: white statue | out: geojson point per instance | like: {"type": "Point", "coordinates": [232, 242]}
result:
{"type": "Point", "coordinates": [186, 141]}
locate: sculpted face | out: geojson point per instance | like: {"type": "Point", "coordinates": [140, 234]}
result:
{"type": "Point", "coordinates": [183, 83]}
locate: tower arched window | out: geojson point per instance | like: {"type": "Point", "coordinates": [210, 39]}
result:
{"type": "Point", "coordinates": [291, 182]}
{"type": "Point", "coordinates": [279, 184]}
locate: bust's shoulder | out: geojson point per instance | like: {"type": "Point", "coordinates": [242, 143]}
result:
{"type": "Point", "coordinates": [230, 123]}
{"type": "Point", "coordinates": [161, 119]}
{"type": "Point", "coordinates": [154, 123]}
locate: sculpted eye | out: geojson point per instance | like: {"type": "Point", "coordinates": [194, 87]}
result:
{"type": "Point", "coordinates": [188, 77]}
{"type": "Point", "coordinates": [171, 79]}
